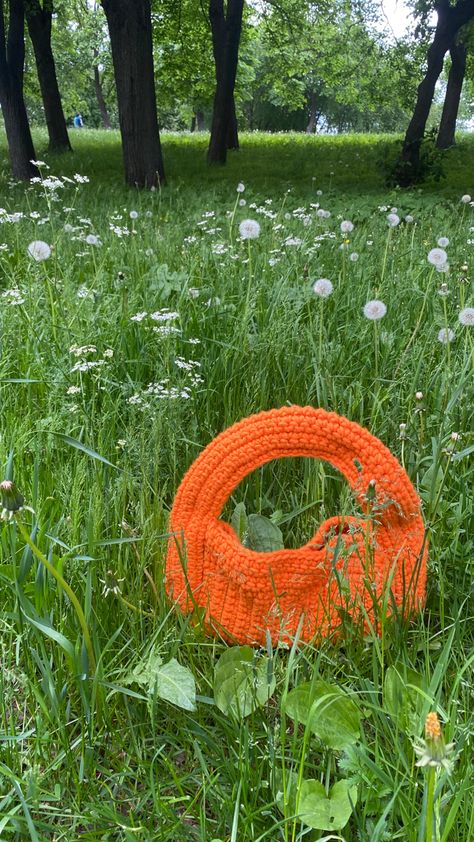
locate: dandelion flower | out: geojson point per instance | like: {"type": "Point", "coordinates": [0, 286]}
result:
{"type": "Point", "coordinates": [323, 288]}
{"type": "Point", "coordinates": [393, 219]}
{"type": "Point", "coordinates": [375, 310]}
{"type": "Point", "coordinates": [249, 229]}
{"type": "Point", "coordinates": [433, 751]}
{"type": "Point", "coordinates": [443, 242]}
{"type": "Point", "coordinates": [437, 257]}
{"type": "Point", "coordinates": [346, 226]}
{"type": "Point", "coordinates": [92, 240]}
{"type": "Point", "coordinates": [443, 290]}
{"type": "Point", "coordinates": [39, 250]}
{"type": "Point", "coordinates": [466, 317]}
{"type": "Point", "coordinates": [466, 198]}
{"type": "Point", "coordinates": [445, 335]}
{"type": "Point", "coordinates": [242, 203]}
{"type": "Point", "coordinates": [133, 214]}
{"type": "Point", "coordinates": [409, 218]}
{"type": "Point", "coordinates": [354, 257]}
{"type": "Point", "coordinates": [240, 187]}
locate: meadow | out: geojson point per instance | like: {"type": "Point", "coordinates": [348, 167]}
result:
{"type": "Point", "coordinates": [149, 327]}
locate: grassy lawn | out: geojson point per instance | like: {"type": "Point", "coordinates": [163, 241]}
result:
{"type": "Point", "coordinates": [149, 329]}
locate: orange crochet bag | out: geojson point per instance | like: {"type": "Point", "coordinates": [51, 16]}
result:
{"type": "Point", "coordinates": [348, 563]}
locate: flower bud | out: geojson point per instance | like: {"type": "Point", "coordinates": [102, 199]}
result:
{"type": "Point", "coordinates": [10, 498]}
{"type": "Point", "coordinates": [370, 493]}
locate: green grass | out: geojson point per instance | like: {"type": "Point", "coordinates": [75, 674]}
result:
{"type": "Point", "coordinates": [87, 756]}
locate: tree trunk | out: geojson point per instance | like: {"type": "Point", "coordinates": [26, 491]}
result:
{"type": "Point", "coordinates": [197, 121]}
{"type": "Point", "coordinates": [313, 101]}
{"type": "Point", "coordinates": [130, 32]}
{"type": "Point", "coordinates": [447, 126]}
{"type": "Point", "coordinates": [12, 56]}
{"type": "Point", "coordinates": [450, 20]}
{"type": "Point", "coordinates": [104, 114]}
{"type": "Point", "coordinates": [226, 29]}
{"type": "Point", "coordinates": [232, 130]}
{"type": "Point", "coordinates": [200, 125]}
{"type": "Point", "coordinates": [39, 26]}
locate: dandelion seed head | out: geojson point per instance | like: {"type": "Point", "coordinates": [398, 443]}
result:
{"type": "Point", "coordinates": [249, 229]}
{"type": "Point", "coordinates": [39, 250]}
{"type": "Point", "coordinates": [445, 335]}
{"type": "Point", "coordinates": [466, 317]}
{"type": "Point", "coordinates": [437, 257]}
{"type": "Point", "coordinates": [323, 288]}
{"type": "Point", "coordinates": [346, 226]}
{"type": "Point", "coordinates": [375, 310]}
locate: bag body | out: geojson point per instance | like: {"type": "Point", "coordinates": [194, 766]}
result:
{"type": "Point", "coordinates": [350, 564]}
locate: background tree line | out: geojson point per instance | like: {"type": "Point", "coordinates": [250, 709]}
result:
{"type": "Point", "coordinates": [265, 64]}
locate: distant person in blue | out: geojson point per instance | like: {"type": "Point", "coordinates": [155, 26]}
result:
{"type": "Point", "coordinates": [78, 121]}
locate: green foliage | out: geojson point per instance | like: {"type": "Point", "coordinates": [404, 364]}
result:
{"type": "Point", "coordinates": [326, 811]}
{"type": "Point", "coordinates": [85, 754]}
{"type": "Point", "coordinates": [243, 681]}
{"type": "Point", "coordinates": [171, 681]}
{"type": "Point", "coordinates": [327, 711]}
{"type": "Point", "coordinates": [405, 697]}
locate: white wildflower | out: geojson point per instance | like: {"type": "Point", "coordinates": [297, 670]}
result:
{"type": "Point", "coordinates": [443, 242]}
{"type": "Point", "coordinates": [393, 219]}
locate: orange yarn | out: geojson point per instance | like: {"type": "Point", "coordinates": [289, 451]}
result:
{"type": "Point", "coordinates": [349, 563]}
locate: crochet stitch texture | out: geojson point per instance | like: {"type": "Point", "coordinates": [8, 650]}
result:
{"type": "Point", "coordinates": [349, 563]}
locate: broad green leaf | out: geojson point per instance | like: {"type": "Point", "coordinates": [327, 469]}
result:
{"type": "Point", "coordinates": [171, 682]}
{"type": "Point", "coordinates": [242, 681]}
{"type": "Point", "coordinates": [321, 812]}
{"type": "Point", "coordinates": [263, 536]}
{"type": "Point", "coordinates": [401, 698]}
{"type": "Point", "coordinates": [285, 793]}
{"type": "Point", "coordinates": [176, 684]}
{"type": "Point", "coordinates": [332, 715]}
{"type": "Point", "coordinates": [238, 521]}
{"type": "Point", "coordinates": [144, 673]}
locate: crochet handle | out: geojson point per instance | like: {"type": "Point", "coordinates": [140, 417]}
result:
{"type": "Point", "coordinates": [294, 431]}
